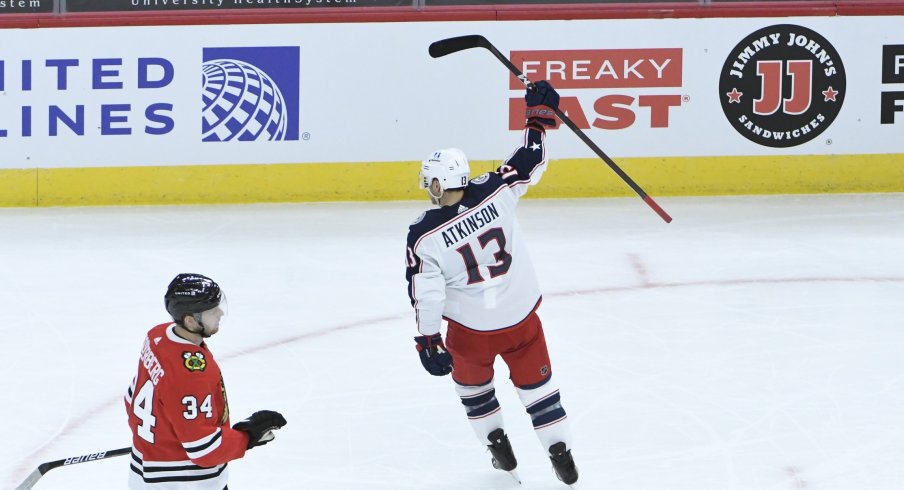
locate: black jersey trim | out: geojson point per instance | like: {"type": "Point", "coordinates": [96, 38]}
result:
{"type": "Point", "coordinates": [138, 467]}
{"type": "Point", "coordinates": [200, 447]}
{"type": "Point", "coordinates": [163, 479]}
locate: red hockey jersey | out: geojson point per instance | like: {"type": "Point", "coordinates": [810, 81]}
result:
{"type": "Point", "coordinates": [179, 416]}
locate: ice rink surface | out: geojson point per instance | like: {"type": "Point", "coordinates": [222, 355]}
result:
{"type": "Point", "coordinates": [755, 343]}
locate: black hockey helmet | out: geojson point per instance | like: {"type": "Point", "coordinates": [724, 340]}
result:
{"type": "Point", "coordinates": [189, 294]}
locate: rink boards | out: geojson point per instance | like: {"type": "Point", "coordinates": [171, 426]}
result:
{"type": "Point", "coordinates": [396, 180]}
{"type": "Point", "coordinates": [344, 112]}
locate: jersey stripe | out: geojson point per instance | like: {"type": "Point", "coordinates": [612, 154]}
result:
{"type": "Point", "coordinates": [204, 446]}
{"type": "Point", "coordinates": [172, 471]}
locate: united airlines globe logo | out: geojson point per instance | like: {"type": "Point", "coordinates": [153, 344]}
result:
{"type": "Point", "coordinates": [241, 102]}
{"type": "Point", "coordinates": [249, 94]}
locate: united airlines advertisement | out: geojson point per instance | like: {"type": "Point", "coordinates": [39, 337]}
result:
{"type": "Point", "coordinates": [348, 93]}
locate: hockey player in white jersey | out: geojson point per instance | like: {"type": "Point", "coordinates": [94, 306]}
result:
{"type": "Point", "coordinates": [467, 264]}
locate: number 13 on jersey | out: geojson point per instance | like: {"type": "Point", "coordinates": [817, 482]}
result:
{"type": "Point", "coordinates": [503, 260]}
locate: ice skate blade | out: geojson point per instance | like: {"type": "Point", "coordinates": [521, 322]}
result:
{"type": "Point", "coordinates": [514, 475]}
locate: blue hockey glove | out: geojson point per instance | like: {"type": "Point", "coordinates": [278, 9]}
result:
{"type": "Point", "coordinates": [542, 103]}
{"type": "Point", "coordinates": [434, 356]}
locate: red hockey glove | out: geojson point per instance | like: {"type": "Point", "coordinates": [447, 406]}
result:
{"type": "Point", "coordinates": [434, 356]}
{"type": "Point", "coordinates": [542, 103]}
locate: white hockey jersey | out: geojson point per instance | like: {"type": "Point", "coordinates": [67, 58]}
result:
{"type": "Point", "coordinates": [467, 262]}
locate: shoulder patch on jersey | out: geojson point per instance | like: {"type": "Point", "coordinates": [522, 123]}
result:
{"type": "Point", "coordinates": [419, 218]}
{"type": "Point", "coordinates": [225, 416]}
{"type": "Point", "coordinates": [481, 179]}
{"type": "Point", "coordinates": [194, 361]}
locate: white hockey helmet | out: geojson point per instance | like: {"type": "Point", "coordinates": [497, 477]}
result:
{"type": "Point", "coordinates": [449, 166]}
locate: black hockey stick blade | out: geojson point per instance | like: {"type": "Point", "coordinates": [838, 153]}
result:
{"type": "Point", "coordinates": [451, 45]}
{"type": "Point", "coordinates": [43, 468]}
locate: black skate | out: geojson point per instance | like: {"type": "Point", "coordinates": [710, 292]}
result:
{"type": "Point", "coordinates": [563, 463]}
{"type": "Point", "coordinates": [501, 449]}
{"type": "Point", "coordinates": [503, 456]}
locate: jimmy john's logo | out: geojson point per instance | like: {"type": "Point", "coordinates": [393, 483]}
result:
{"type": "Point", "coordinates": [194, 361]}
{"type": "Point", "coordinates": [782, 86]}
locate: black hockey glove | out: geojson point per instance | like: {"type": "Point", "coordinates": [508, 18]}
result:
{"type": "Point", "coordinates": [434, 356]}
{"type": "Point", "coordinates": [542, 103]}
{"type": "Point", "coordinates": [260, 427]}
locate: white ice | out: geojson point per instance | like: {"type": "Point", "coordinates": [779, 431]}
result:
{"type": "Point", "coordinates": [755, 343]}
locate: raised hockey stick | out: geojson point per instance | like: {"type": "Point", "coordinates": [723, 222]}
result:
{"type": "Point", "coordinates": [444, 47]}
{"type": "Point", "coordinates": [43, 468]}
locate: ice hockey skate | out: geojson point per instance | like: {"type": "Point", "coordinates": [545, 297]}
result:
{"type": "Point", "coordinates": [563, 463]}
{"type": "Point", "coordinates": [503, 456]}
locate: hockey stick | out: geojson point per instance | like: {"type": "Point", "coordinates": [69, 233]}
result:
{"type": "Point", "coordinates": [43, 468]}
{"type": "Point", "coordinates": [445, 47]}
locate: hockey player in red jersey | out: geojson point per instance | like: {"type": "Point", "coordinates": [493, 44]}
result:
{"type": "Point", "coordinates": [177, 406]}
{"type": "Point", "coordinates": [467, 264]}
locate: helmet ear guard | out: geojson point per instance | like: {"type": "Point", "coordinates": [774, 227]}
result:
{"type": "Point", "coordinates": [449, 166]}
